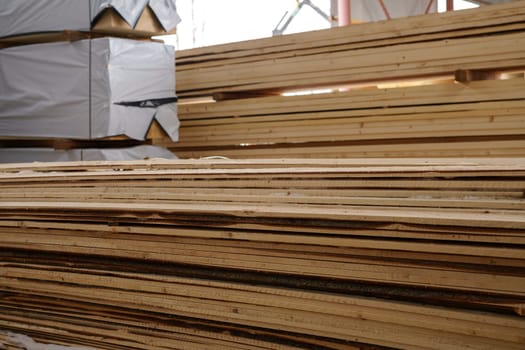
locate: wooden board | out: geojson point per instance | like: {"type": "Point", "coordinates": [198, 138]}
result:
{"type": "Point", "coordinates": [480, 21]}
{"type": "Point", "coordinates": [407, 61]}
{"type": "Point", "coordinates": [272, 254]}
{"type": "Point", "coordinates": [422, 46]}
{"type": "Point", "coordinates": [483, 118]}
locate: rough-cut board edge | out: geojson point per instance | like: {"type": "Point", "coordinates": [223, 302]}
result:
{"type": "Point", "coordinates": [295, 290]}
{"type": "Point", "coordinates": [433, 297]}
{"type": "Point", "coordinates": [444, 114]}
{"type": "Point", "coordinates": [480, 218]}
{"type": "Point", "coordinates": [337, 327]}
{"type": "Point", "coordinates": [214, 163]}
{"type": "Point", "coordinates": [357, 131]}
{"type": "Point", "coordinates": [164, 195]}
{"type": "Point", "coordinates": [82, 258]}
{"type": "Point", "coordinates": [455, 95]}
{"type": "Point", "coordinates": [155, 333]}
{"type": "Point", "coordinates": [301, 325]}
{"type": "Point", "coordinates": [237, 292]}
{"type": "Point", "coordinates": [244, 56]}
{"type": "Point", "coordinates": [490, 279]}
{"type": "Point", "coordinates": [204, 333]}
{"type": "Point", "coordinates": [469, 148]}
{"type": "Point", "coordinates": [402, 61]}
{"type": "Point", "coordinates": [494, 280]}
{"type": "Point", "coordinates": [363, 244]}
{"type": "Point", "coordinates": [259, 124]}
{"type": "Point", "coordinates": [455, 177]}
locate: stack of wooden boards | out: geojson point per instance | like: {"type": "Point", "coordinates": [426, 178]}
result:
{"type": "Point", "coordinates": [484, 118]}
{"type": "Point", "coordinates": [454, 116]}
{"type": "Point", "coordinates": [265, 254]}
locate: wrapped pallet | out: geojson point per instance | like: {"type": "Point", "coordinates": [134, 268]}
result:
{"type": "Point", "coordinates": [143, 17]}
{"type": "Point", "coordinates": [88, 89]}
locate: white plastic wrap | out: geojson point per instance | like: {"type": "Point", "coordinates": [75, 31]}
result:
{"type": "Point", "coordinates": [75, 90]}
{"type": "Point", "coordinates": [29, 155]}
{"type": "Point", "coordinates": [33, 16]}
{"type": "Point", "coordinates": [44, 91]}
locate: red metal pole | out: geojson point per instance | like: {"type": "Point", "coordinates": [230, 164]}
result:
{"type": "Point", "coordinates": [343, 13]}
{"type": "Point", "coordinates": [450, 5]}
{"type": "Point", "coordinates": [385, 10]}
{"type": "Point", "coordinates": [429, 6]}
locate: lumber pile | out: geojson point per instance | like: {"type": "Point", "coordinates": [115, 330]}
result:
{"type": "Point", "coordinates": [440, 85]}
{"type": "Point", "coordinates": [487, 38]}
{"type": "Point", "coordinates": [483, 118]}
{"type": "Point", "coordinates": [265, 254]}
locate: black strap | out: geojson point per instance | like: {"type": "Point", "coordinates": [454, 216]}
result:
{"type": "Point", "coordinates": [151, 103]}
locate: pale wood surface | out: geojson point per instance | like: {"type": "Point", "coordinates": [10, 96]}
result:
{"type": "Point", "coordinates": [482, 118]}
{"type": "Point", "coordinates": [479, 39]}
{"type": "Point", "coordinates": [399, 253]}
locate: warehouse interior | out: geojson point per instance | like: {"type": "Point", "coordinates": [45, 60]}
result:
{"type": "Point", "coordinates": [279, 174]}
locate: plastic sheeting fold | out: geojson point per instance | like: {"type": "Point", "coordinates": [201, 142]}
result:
{"type": "Point", "coordinates": [32, 16]}
{"type": "Point", "coordinates": [166, 12]}
{"type": "Point", "coordinates": [72, 90]}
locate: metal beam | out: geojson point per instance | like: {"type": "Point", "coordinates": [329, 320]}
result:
{"type": "Point", "coordinates": [385, 10]}
{"type": "Point", "coordinates": [344, 17]}
{"type": "Point", "coordinates": [429, 6]}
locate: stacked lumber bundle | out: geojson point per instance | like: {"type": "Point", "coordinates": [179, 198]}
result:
{"type": "Point", "coordinates": [271, 254]}
{"type": "Point", "coordinates": [453, 100]}
{"type": "Point", "coordinates": [483, 118]}
{"type": "Point", "coordinates": [488, 38]}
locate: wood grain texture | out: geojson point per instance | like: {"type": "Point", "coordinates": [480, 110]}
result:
{"type": "Point", "coordinates": [424, 86]}
{"type": "Point", "coordinates": [432, 45]}
{"type": "Point", "coordinates": [265, 254]}
{"type": "Point", "coordinates": [482, 118]}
